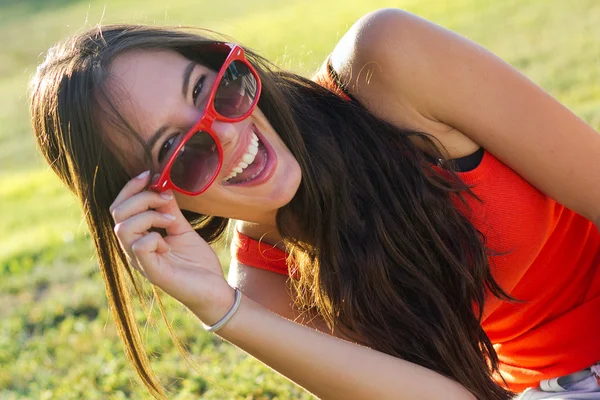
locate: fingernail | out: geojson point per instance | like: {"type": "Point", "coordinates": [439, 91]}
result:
{"type": "Point", "coordinates": [166, 195]}
{"type": "Point", "coordinates": [143, 175]}
{"type": "Point", "coordinates": [169, 216]}
{"type": "Point", "coordinates": [155, 179]}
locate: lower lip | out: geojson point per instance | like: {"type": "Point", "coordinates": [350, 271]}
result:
{"type": "Point", "coordinates": [268, 170]}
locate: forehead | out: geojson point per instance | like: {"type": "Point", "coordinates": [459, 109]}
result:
{"type": "Point", "coordinates": [134, 66]}
{"type": "Point", "coordinates": [144, 90]}
{"type": "Point", "coordinates": [143, 84]}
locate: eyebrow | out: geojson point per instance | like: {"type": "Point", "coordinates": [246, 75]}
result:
{"type": "Point", "coordinates": [187, 73]}
{"type": "Point", "coordinates": [159, 132]}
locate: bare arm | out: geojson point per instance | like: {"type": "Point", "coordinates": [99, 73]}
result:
{"type": "Point", "coordinates": [185, 267]}
{"type": "Point", "coordinates": [398, 64]}
{"type": "Point", "coordinates": [329, 367]}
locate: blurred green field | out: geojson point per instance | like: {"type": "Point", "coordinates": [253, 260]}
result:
{"type": "Point", "coordinates": [57, 339]}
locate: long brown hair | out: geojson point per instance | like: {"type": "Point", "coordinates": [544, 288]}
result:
{"type": "Point", "coordinates": [379, 246]}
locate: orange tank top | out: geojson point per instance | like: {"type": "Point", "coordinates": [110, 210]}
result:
{"type": "Point", "coordinates": [549, 260]}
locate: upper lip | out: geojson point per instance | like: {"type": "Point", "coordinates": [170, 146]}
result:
{"type": "Point", "coordinates": [241, 148]}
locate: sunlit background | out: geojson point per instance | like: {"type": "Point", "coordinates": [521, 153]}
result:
{"type": "Point", "coordinates": [57, 339]}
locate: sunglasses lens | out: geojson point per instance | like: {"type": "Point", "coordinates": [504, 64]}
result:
{"type": "Point", "coordinates": [196, 164]}
{"type": "Point", "coordinates": [236, 94]}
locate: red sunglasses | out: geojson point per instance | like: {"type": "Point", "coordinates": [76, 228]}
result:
{"type": "Point", "coordinates": [194, 163]}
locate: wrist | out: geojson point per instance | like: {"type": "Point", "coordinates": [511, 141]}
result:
{"type": "Point", "coordinates": [215, 309]}
{"type": "Point", "coordinates": [230, 313]}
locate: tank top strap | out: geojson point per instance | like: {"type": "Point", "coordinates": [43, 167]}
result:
{"type": "Point", "coordinates": [327, 77]}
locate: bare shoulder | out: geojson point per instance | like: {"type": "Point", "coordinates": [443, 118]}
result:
{"type": "Point", "coordinates": [381, 39]}
{"type": "Point", "coordinates": [375, 60]}
{"type": "Point", "coordinates": [366, 34]}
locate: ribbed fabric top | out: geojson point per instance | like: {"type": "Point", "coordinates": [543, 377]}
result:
{"type": "Point", "coordinates": [549, 258]}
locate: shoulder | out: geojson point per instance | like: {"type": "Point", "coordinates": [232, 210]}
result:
{"type": "Point", "coordinates": [369, 28]}
{"type": "Point", "coordinates": [377, 40]}
{"type": "Point", "coordinates": [388, 60]}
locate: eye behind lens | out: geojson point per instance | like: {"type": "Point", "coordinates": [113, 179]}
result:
{"type": "Point", "coordinates": [196, 166]}
{"type": "Point", "coordinates": [237, 90]}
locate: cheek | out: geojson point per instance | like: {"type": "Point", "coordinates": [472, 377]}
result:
{"type": "Point", "coordinates": [189, 203]}
{"type": "Point", "coordinates": [206, 203]}
{"type": "Point", "coordinates": [126, 149]}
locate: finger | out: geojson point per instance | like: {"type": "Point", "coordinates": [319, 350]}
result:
{"type": "Point", "coordinates": [139, 203]}
{"type": "Point", "coordinates": [180, 225]}
{"type": "Point", "coordinates": [146, 250]}
{"type": "Point", "coordinates": [137, 226]}
{"type": "Point", "coordinates": [132, 187]}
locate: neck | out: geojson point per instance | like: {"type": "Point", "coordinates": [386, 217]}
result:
{"type": "Point", "coordinates": [263, 232]}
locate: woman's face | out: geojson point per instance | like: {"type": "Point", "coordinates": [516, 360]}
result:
{"type": "Point", "coordinates": [151, 91]}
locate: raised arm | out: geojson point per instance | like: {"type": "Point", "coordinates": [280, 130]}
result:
{"type": "Point", "coordinates": [185, 267]}
{"type": "Point", "coordinates": [329, 367]}
{"type": "Point", "coordinates": [399, 65]}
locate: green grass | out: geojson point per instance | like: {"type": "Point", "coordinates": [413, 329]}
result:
{"type": "Point", "coordinates": [57, 339]}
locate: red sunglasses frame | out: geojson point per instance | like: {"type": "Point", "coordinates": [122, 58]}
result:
{"type": "Point", "coordinates": [209, 115]}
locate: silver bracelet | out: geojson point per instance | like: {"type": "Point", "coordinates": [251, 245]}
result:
{"type": "Point", "coordinates": [226, 317]}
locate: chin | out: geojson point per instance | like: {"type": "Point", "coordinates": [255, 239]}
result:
{"type": "Point", "coordinates": [289, 187]}
{"type": "Point", "coordinates": [281, 195]}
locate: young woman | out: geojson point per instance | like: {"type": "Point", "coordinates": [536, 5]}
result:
{"type": "Point", "coordinates": [439, 269]}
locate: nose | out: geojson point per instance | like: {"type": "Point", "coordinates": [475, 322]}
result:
{"type": "Point", "coordinates": [227, 132]}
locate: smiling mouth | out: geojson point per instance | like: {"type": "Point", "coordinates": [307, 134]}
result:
{"type": "Point", "coordinates": [252, 164]}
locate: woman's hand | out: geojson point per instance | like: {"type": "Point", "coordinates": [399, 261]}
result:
{"type": "Point", "coordinates": [184, 266]}
{"type": "Point", "coordinates": [181, 263]}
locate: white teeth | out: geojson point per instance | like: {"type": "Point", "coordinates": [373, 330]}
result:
{"type": "Point", "coordinates": [247, 158]}
{"type": "Point", "coordinates": [252, 149]}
